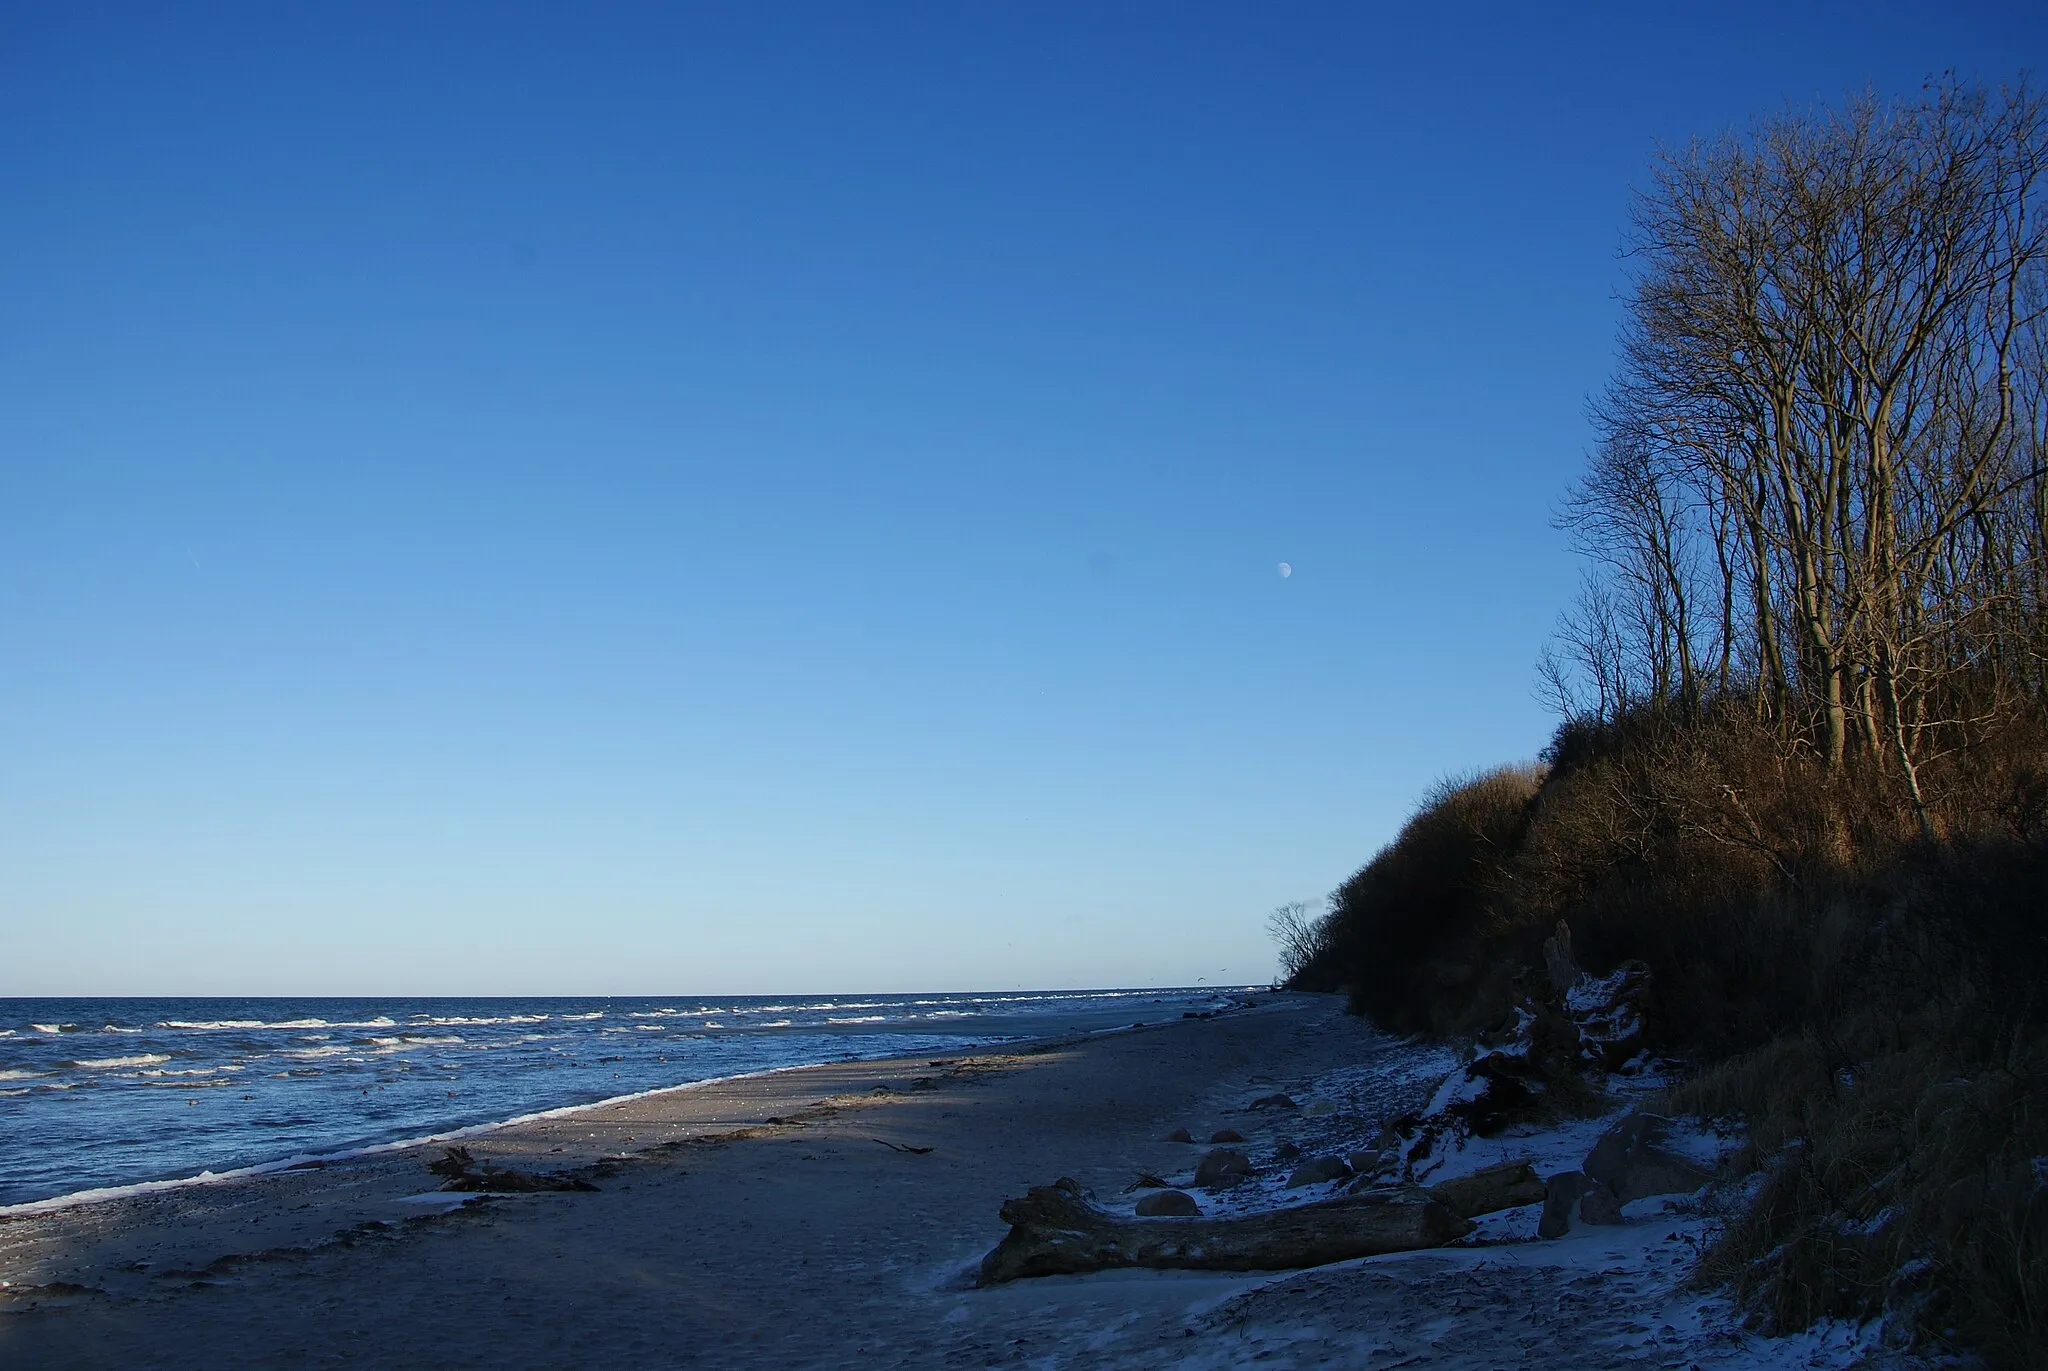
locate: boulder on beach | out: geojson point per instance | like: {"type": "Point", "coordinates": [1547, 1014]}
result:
{"type": "Point", "coordinates": [1560, 1196]}
{"type": "Point", "coordinates": [1599, 1206]}
{"type": "Point", "coordinates": [1221, 1168]}
{"type": "Point", "coordinates": [1169, 1204]}
{"type": "Point", "coordinates": [1273, 1102]}
{"type": "Point", "coordinates": [1574, 1192]}
{"type": "Point", "coordinates": [1632, 1161]}
{"type": "Point", "coordinates": [1226, 1135]}
{"type": "Point", "coordinates": [1179, 1135]}
{"type": "Point", "coordinates": [1317, 1170]}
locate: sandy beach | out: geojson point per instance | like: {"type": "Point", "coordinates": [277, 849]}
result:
{"type": "Point", "coordinates": [834, 1216]}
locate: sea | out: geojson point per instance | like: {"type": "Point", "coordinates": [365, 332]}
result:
{"type": "Point", "coordinates": [99, 1094]}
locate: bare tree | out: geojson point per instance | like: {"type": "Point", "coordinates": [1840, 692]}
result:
{"type": "Point", "coordinates": [1298, 935]}
{"type": "Point", "coordinates": [1820, 477]}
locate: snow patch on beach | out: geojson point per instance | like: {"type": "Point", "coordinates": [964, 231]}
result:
{"type": "Point", "coordinates": [1600, 1295]}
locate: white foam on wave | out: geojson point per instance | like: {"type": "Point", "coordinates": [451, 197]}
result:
{"type": "Point", "coordinates": [19, 1075]}
{"type": "Point", "coordinates": [144, 1059]}
{"type": "Point", "coordinates": [274, 1026]}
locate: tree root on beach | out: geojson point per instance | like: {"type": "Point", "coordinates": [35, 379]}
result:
{"type": "Point", "coordinates": [1056, 1231]}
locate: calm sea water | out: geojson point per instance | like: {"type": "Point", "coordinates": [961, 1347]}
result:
{"type": "Point", "coordinates": [108, 1092]}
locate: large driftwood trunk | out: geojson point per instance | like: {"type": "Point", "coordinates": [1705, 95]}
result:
{"type": "Point", "coordinates": [1056, 1231]}
{"type": "Point", "coordinates": [1506, 1185]}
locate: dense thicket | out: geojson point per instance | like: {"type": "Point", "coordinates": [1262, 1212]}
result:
{"type": "Point", "coordinates": [1804, 768]}
{"type": "Point", "coordinates": [1872, 1003]}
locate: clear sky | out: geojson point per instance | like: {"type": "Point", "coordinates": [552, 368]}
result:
{"type": "Point", "coordinates": [641, 499]}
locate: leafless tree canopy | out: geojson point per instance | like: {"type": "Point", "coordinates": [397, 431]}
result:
{"type": "Point", "coordinates": [1819, 485]}
{"type": "Point", "coordinates": [1297, 934]}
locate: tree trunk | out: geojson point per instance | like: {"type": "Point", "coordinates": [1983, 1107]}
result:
{"type": "Point", "coordinates": [1506, 1185]}
{"type": "Point", "coordinates": [1056, 1231]}
{"type": "Point", "coordinates": [1902, 747]}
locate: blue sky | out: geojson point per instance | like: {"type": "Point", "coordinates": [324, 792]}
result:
{"type": "Point", "coordinates": [545, 498]}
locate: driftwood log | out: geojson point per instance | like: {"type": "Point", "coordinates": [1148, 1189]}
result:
{"type": "Point", "coordinates": [460, 1171]}
{"type": "Point", "coordinates": [1507, 1185]}
{"type": "Point", "coordinates": [1056, 1231]}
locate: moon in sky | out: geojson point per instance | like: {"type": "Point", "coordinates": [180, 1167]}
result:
{"type": "Point", "coordinates": [1285, 571]}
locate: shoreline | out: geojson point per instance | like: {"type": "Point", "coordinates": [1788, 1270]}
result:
{"type": "Point", "coordinates": [756, 1222]}
{"type": "Point", "coordinates": [206, 1174]}
{"type": "Point", "coordinates": [111, 1193]}
{"type": "Point", "coordinates": [301, 1160]}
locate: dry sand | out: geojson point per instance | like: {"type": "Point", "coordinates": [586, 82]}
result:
{"type": "Point", "coordinates": [721, 1238]}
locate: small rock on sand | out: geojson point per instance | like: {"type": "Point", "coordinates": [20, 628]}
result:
{"type": "Point", "coordinates": [1179, 1135]}
{"type": "Point", "coordinates": [1226, 1135]}
{"type": "Point", "coordinates": [1169, 1204]}
{"type": "Point", "coordinates": [1273, 1102]}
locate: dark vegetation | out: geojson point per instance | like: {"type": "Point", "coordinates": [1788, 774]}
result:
{"type": "Point", "coordinates": [1804, 769]}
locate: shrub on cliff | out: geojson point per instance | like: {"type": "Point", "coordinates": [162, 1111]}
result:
{"type": "Point", "coordinates": [1869, 1002]}
{"type": "Point", "coordinates": [1404, 935]}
